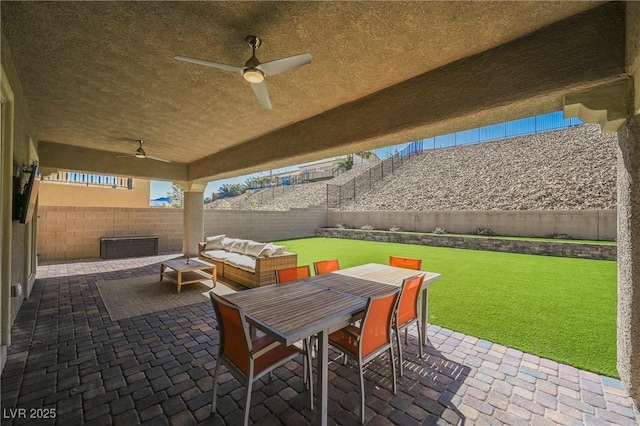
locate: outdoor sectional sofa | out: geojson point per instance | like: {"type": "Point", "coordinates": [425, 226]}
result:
{"type": "Point", "coordinates": [247, 262]}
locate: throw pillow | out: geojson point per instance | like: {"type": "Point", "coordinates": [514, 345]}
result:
{"type": "Point", "coordinates": [266, 251]}
{"type": "Point", "coordinates": [254, 248]}
{"type": "Point", "coordinates": [239, 246]}
{"type": "Point", "coordinates": [227, 243]}
{"type": "Point", "coordinates": [214, 243]}
{"type": "Point", "coordinates": [275, 249]}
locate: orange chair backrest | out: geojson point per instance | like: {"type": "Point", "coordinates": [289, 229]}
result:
{"type": "Point", "coordinates": [376, 323]}
{"type": "Point", "coordinates": [408, 305]}
{"type": "Point", "coordinates": [235, 343]}
{"type": "Point", "coordinates": [405, 262]}
{"type": "Point", "coordinates": [326, 266]}
{"type": "Point", "coordinates": [291, 274]}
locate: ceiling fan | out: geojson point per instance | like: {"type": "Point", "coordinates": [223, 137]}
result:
{"type": "Point", "coordinates": [140, 153]}
{"type": "Point", "coordinates": [255, 71]}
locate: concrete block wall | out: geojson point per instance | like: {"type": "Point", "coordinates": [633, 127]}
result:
{"type": "Point", "coordinates": [75, 232]}
{"type": "Point", "coordinates": [264, 226]}
{"type": "Point", "coordinates": [581, 224]}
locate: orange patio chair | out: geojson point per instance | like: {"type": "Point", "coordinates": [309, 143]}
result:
{"type": "Point", "coordinates": [291, 274]}
{"type": "Point", "coordinates": [407, 312]}
{"type": "Point", "coordinates": [246, 359]}
{"type": "Point", "coordinates": [326, 266]}
{"type": "Point", "coordinates": [371, 339]}
{"type": "Point", "coordinates": [405, 262]}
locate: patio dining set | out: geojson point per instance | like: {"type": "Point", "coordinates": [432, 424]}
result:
{"type": "Point", "coordinates": [356, 310]}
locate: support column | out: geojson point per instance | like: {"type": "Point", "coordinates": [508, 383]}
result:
{"type": "Point", "coordinates": [192, 217]}
{"type": "Point", "coordinates": [612, 106]}
{"type": "Point", "coordinates": [629, 256]}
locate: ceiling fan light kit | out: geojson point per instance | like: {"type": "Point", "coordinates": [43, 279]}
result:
{"type": "Point", "coordinates": [255, 71]}
{"type": "Point", "coordinates": [253, 76]}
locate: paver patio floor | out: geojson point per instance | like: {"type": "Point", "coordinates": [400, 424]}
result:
{"type": "Point", "coordinates": [68, 355]}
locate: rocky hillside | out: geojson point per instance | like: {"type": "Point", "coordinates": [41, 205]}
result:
{"type": "Point", "coordinates": [288, 196]}
{"type": "Point", "coordinates": [568, 169]}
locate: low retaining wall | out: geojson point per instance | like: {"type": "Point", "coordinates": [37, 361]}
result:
{"type": "Point", "coordinates": [546, 248]}
{"type": "Point", "coordinates": [581, 224]}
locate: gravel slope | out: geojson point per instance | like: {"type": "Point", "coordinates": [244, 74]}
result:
{"type": "Point", "coordinates": [568, 169]}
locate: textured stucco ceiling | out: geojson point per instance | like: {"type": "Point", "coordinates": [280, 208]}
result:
{"type": "Point", "coordinates": [99, 75]}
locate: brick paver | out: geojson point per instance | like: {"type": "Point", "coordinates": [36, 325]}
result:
{"type": "Point", "coordinates": [69, 356]}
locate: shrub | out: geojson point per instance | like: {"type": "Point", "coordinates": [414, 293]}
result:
{"type": "Point", "coordinates": [394, 229]}
{"type": "Point", "coordinates": [340, 226]}
{"type": "Point", "coordinates": [367, 227]}
{"type": "Point", "coordinates": [560, 236]}
{"type": "Point", "coordinates": [485, 231]}
{"type": "Point", "coordinates": [440, 231]}
{"type": "Point", "coordinates": [224, 205]}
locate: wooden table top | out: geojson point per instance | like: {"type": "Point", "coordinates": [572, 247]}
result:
{"type": "Point", "coordinates": [349, 285]}
{"type": "Point", "coordinates": [180, 264]}
{"type": "Point", "coordinates": [296, 310]}
{"type": "Point", "coordinates": [386, 274]}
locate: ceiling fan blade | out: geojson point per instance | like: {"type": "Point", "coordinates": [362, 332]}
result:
{"type": "Point", "coordinates": [260, 89]}
{"type": "Point", "coordinates": [285, 64]}
{"type": "Point", "coordinates": [125, 156]}
{"type": "Point", "coordinates": [237, 70]}
{"type": "Point", "coordinates": [151, 157]}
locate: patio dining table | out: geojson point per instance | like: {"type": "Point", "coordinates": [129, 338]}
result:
{"type": "Point", "coordinates": [393, 275]}
{"type": "Point", "coordinates": [293, 311]}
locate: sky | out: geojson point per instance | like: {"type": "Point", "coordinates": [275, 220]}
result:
{"type": "Point", "coordinates": [524, 126]}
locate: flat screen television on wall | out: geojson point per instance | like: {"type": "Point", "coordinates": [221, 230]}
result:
{"type": "Point", "coordinates": [26, 196]}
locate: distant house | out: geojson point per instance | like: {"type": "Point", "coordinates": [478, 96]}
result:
{"type": "Point", "coordinates": [319, 170]}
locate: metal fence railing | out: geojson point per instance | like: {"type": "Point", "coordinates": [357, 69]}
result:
{"type": "Point", "coordinates": [90, 179]}
{"type": "Point", "coordinates": [365, 181]}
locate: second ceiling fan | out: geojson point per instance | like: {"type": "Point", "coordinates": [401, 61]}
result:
{"type": "Point", "coordinates": [254, 71]}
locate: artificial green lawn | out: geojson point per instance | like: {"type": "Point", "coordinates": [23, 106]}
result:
{"type": "Point", "coordinates": [558, 308]}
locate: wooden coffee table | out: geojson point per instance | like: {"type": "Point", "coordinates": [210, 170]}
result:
{"type": "Point", "coordinates": [182, 272]}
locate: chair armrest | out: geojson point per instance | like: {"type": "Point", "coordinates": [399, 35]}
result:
{"type": "Point", "coordinates": [350, 333]}
{"type": "Point", "coordinates": [264, 350]}
{"type": "Point", "coordinates": [269, 264]}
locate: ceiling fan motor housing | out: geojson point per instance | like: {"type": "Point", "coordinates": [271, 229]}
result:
{"type": "Point", "coordinates": [254, 41]}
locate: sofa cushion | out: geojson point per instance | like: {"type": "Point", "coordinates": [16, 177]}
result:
{"type": "Point", "coordinates": [219, 255]}
{"type": "Point", "coordinates": [214, 243]}
{"type": "Point", "coordinates": [227, 243]}
{"type": "Point", "coordinates": [239, 246]}
{"type": "Point", "coordinates": [271, 249]}
{"type": "Point", "coordinates": [276, 250]}
{"type": "Point", "coordinates": [266, 251]}
{"type": "Point", "coordinates": [241, 261]}
{"type": "Point", "coordinates": [254, 248]}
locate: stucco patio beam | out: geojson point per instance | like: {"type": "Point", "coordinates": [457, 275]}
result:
{"type": "Point", "coordinates": [525, 77]}
{"type": "Point", "coordinates": [54, 156]}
